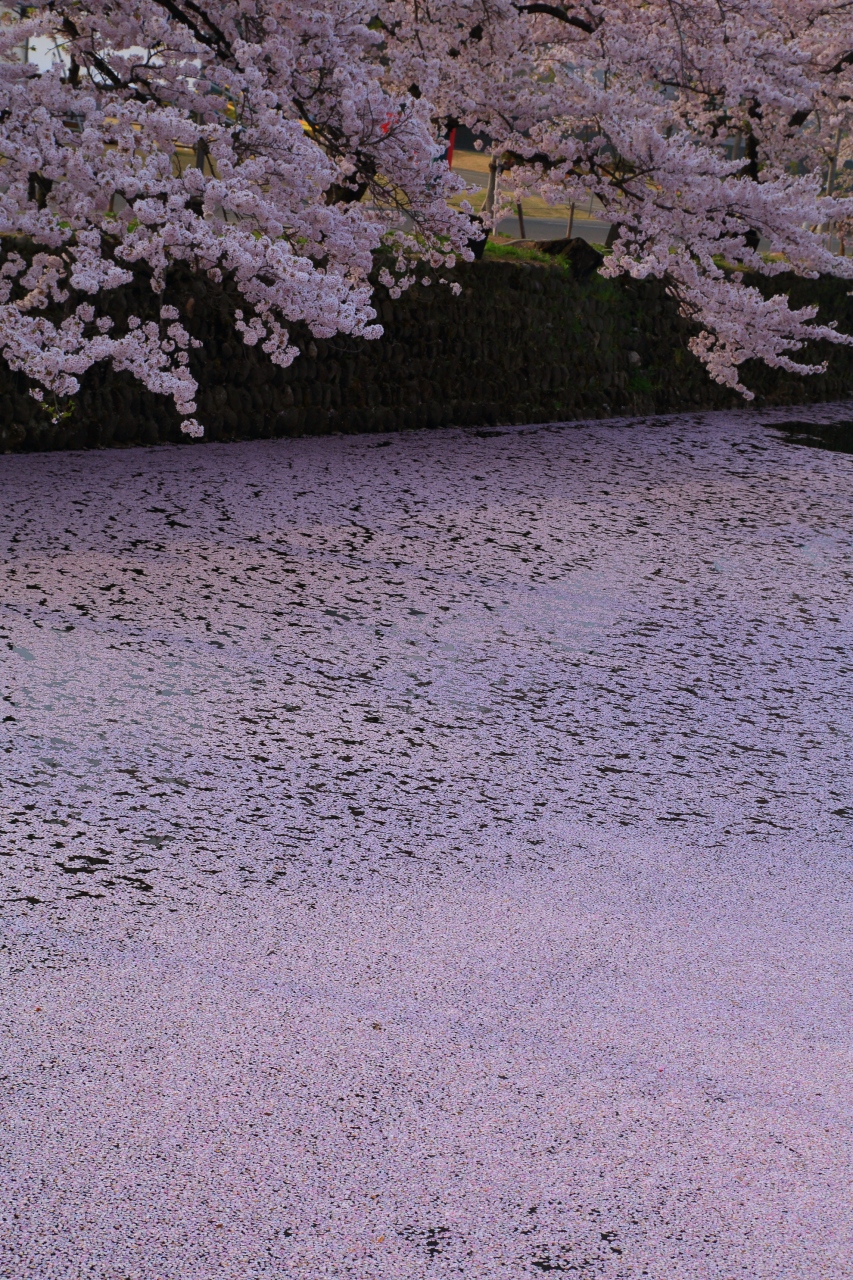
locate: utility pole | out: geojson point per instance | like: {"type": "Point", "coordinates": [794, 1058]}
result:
{"type": "Point", "coordinates": [489, 204]}
{"type": "Point", "coordinates": [451, 143]}
{"type": "Point", "coordinates": [830, 180]}
{"type": "Point", "coordinates": [833, 165]}
{"type": "Point", "coordinates": [24, 47]}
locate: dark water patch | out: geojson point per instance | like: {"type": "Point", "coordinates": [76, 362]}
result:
{"type": "Point", "coordinates": [835, 436]}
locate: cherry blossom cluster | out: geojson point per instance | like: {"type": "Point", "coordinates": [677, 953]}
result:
{"type": "Point", "coordinates": [262, 143]}
{"type": "Point", "coordinates": [713, 132]}
{"type": "Point", "coordinates": [281, 146]}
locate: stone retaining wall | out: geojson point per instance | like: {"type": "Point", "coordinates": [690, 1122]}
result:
{"type": "Point", "coordinates": [524, 342]}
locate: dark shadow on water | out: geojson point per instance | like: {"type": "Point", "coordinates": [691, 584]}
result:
{"type": "Point", "coordinates": [837, 436]}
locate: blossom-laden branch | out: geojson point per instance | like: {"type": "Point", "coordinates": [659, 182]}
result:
{"type": "Point", "coordinates": [260, 143]}
{"type": "Point", "coordinates": [704, 129]}
{"type": "Point", "coordinates": [280, 145]}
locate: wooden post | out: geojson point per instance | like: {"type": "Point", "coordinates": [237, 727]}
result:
{"type": "Point", "coordinates": [489, 203]}
{"type": "Point", "coordinates": [833, 164]}
{"type": "Point", "coordinates": [830, 184]}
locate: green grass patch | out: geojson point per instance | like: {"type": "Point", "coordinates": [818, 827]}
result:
{"type": "Point", "coordinates": [518, 253]}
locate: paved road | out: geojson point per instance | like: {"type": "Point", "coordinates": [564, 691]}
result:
{"type": "Point", "coordinates": [428, 855]}
{"type": "Point", "coordinates": [593, 230]}
{"type": "Point", "coordinates": [586, 225]}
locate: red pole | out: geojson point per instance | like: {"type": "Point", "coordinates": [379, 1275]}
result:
{"type": "Point", "coordinates": [451, 142]}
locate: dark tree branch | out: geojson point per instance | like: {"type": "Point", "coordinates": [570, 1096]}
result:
{"type": "Point", "coordinates": [104, 67]}
{"type": "Point", "coordinates": [846, 61]}
{"type": "Point", "coordinates": [561, 13]}
{"type": "Point", "coordinates": [799, 118]}
{"type": "Point", "coordinates": [216, 39]}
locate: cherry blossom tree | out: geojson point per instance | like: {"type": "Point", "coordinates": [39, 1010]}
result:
{"type": "Point", "coordinates": [262, 142]}
{"type": "Point", "coordinates": [281, 146]}
{"type": "Point", "coordinates": [704, 127]}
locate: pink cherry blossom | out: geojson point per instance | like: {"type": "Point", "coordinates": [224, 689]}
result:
{"type": "Point", "coordinates": [280, 146]}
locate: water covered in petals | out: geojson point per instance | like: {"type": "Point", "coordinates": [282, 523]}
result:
{"type": "Point", "coordinates": [428, 855]}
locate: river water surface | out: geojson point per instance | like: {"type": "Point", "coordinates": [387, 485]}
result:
{"type": "Point", "coordinates": [428, 855]}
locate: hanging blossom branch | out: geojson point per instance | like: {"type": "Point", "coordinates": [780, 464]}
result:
{"type": "Point", "coordinates": [280, 146]}
{"type": "Point", "coordinates": [258, 143]}
{"type": "Point", "coordinates": [705, 129]}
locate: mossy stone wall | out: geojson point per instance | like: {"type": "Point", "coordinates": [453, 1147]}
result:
{"type": "Point", "coordinates": [524, 342]}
